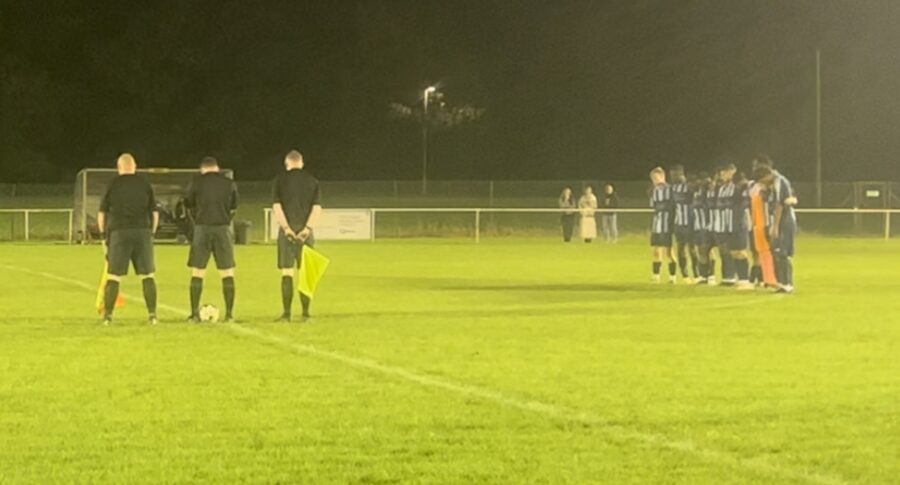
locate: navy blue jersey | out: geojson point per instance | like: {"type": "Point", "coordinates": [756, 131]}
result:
{"type": "Point", "coordinates": [681, 198]}
{"type": "Point", "coordinates": [662, 204]}
{"type": "Point", "coordinates": [699, 210]}
{"type": "Point", "coordinates": [777, 196]}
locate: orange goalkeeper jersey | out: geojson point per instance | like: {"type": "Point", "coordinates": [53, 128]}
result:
{"type": "Point", "coordinates": [760, 216]}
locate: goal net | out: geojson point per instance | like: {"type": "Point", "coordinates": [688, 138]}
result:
{"type": "Point", "coordinates": [169, 187]}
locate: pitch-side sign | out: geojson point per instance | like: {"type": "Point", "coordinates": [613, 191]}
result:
{"type": "Point", "coordinates": [339, 224]}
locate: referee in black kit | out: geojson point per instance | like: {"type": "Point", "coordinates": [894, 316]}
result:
{"type": "Point", "coordinates": [128, 213]}
{"type": "Point", "coordinates": [296, 208]}
{"type": "Point", "coordinates": [212, 200]}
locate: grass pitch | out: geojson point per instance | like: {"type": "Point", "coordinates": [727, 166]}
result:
{"type": "Point", "coordinates": [512, 361]}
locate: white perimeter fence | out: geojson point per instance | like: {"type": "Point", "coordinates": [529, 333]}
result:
{"type": "Point", "coordinates": [369, 224]}
{"type": "Point", "coordinates": [39, 224]}
{"type": "Point", "coordinates": [358, 224]}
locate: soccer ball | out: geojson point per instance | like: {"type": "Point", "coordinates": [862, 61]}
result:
{"type": "Point", "coordinates": [209, 313]}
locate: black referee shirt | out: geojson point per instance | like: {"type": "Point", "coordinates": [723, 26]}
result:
{"type": "Point", "coordinates": [129, 203]}
{"type": "Point", "coordinates": [297, 192]}
{"type": "Point", "coordinates": [212, 199]}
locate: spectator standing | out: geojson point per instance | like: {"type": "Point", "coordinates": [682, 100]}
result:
{"type": "Point", "coordinates": [587, 205]}
{"type": "Point", "coordinates": [608, 220]}
{"type": "Point", "coordinates": [569, 213]}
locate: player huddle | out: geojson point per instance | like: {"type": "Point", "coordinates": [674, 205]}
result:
{"type": "Point", "coordinates": [128, 218]}
{"type": "Point", "coordinates": [746, 226]}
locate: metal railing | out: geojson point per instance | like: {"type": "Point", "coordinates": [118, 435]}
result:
{"type": "Point", "coordinates": [471, 193]}
{"type": "Point", "coordinates": [476, 214]}
{"type": "Point", "coordinates": [26, 215]}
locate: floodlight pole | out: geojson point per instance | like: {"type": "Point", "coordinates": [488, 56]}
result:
{"type": "Point", "coordinates": [427, 94]}
{"type": "Point", "coordinates": [818, 128]}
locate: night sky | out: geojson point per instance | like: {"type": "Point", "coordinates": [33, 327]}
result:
{"type": "Point", "coordinates": [570, 89]}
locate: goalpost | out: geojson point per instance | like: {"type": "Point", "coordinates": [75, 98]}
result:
{"type": "Point", "coordinates": [169, 185]}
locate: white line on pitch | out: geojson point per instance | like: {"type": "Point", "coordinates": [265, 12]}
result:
{"type": "Point", "coordinates": [759, 465]}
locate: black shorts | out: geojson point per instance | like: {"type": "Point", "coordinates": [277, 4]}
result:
{"type": "Point", "coordinates": [661, 239]}
{"type": "Point", "coordinates": [217, 241]}
{"type": "Point", "coordinates": [701, 239]}
{"type": "Point", "coordinates": [721, 240]}
{"type": "Point", "coordinates": [133, 246]}
{"type": "Point", "coordinates": [289, 252]}
{"type": "Point", "coordinates": [684, 235]}
{"type": "Point", "coordinates": [739, 240]}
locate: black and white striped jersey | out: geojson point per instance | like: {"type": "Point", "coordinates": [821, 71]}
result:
{"type": "Point", "coordinates": [712, 210]}
{"type": "Point", "coordinates": [662, 204]}
{"type": "Point", "coordinates": [681, 198]}
{"type": "Point", "coordinates": [699, 210]}
{"type": "Point", "coordinates": [724, 222]}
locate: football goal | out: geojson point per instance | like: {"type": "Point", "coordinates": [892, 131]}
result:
{"type": "Point", "coordinates": [169, 185]}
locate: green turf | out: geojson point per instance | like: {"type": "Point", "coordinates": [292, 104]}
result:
{"type": "Point", "coordinates": [512, 361]}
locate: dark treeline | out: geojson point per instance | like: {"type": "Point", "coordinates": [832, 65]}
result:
{"type": "Point", "coordinates": [570, 89]}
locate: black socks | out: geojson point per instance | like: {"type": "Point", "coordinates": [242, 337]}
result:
{"type": "Point", "coordinates": [287, 293]}
{"type": "Point", "coordinates": [727, 267]}
{"type": "Point", "coordinates": [657, 266]}
{"type": "Point", "coordinates": [743, 269]}
{"type": "Point", "coordinates": [110, 294]}
{"type": "Point", "coordinates": [196, 291]}
{"type": "Point", "coordinates": [304, 300]}
{"type": "Point", "coordinates": [755, 274]}
{"type": "Point", "coordinates": [228, 292]}
{"type": "Point", "coordinates": [702, 270]}
{"type": "Point", "coordinates": [784, 270]}
{"type": "Point", "coordinates": [149, 285]}
{"type": "Point", "coordinates": [287, 296]}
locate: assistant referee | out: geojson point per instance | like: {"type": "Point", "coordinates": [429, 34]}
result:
{"type": "Point", "coordinates": [211, 200]}
{"type": "Point", "coordinates": [296, 208]}
{"type": "Point", "coordinates": [128, 214]}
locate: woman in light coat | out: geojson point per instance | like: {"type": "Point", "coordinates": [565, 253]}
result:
{"type": "Point", "coordinates": [587, 206]}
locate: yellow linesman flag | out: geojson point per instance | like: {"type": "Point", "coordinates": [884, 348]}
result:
{"type": "Point", "coordinates": [101, 292]}
{"type": "Point", "coordinates": [312, 266]}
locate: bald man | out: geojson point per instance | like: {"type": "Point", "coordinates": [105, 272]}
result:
{"type": "Point", "coordinates": [129, 216]}
{"type": "Point", "coordinates": [296, 208]}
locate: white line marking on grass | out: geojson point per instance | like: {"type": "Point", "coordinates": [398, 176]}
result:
{"type": "Point", "coordinates": [617, 432]}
